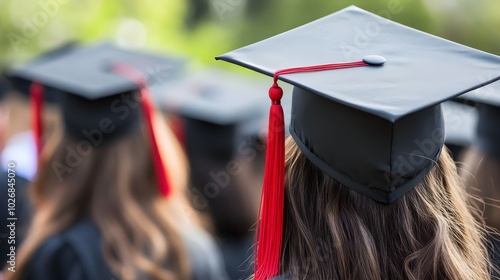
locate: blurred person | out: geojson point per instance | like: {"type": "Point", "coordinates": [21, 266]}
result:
{"type": "Point", "coordinates": [460, 121]}
{"type": "Point", "coordinates": [481, 169]}
{"type": "Point", "coordinates": [109, 191]}
{"type": "Point", "coordinates": [219, 132]}
{"type": "Point", "coordinates": [18, 160]}
{"type": "Point", "coordinates": [224, 190]}
{"type": "Point", "coordinates": [364, 188]}
{"type": "Point", "coordinates": [482, 177]}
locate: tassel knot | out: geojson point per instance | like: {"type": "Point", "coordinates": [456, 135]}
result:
{"type": "Point", "coordinates": [275, 93]}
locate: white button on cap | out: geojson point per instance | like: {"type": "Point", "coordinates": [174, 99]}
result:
{"type": "Point", "coordinates": [374, 59]}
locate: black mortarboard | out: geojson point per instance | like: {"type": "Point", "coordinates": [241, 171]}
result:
{"type": "Point", "coordinates": [219, 109]}
{"type": "Point", "coordinates": [4, 86]}
{"type": "Point", "coordinates": [21, 84]}
{"type": "Point", "coordinates": [217, 96]}
{"type": "Point", "coordinates": [99, 86]}
{"type": "Point", "coordinates": [95, 91]}
{"type": "Point", "coordinates": [378, 129]}
{"type": "Point", "coordinates": [460, 122]}
{"type": "Point", "coordinates": [487, 138]}
{"type": "Point", "coordinates": [221, 112]}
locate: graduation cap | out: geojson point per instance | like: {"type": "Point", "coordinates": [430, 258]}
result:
{"type": "Point", "coordinates": [102, 91]}
{"type": "Point", "coordinates": [487, 99]}
{"type": "Point", "coordinates": [4, 87]}
{"type": "Point", "coordinates": [21, 84]}
{"type": "Point", "coordinates": [219, 109]}
{"type": "Point", "coordinates": [365, 108]}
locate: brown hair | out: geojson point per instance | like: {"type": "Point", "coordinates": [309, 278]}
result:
{"type": "Point", "coordinates": [332, 232]}
{"type": "Point", "coordinates": [482, 179]}
{"type": "Point", "coordinates": [114, 186]}
{"type": "Point", "coordinates": [17, 109]}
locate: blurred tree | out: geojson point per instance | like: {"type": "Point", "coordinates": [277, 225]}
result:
{"type": "Point", "coordinates": [476, 25]}
{"type": "Point", "coordinates": [29, 27]}
{"type": "Point", "coordinates": [255, 7]}
{"type": "Point", "coordinates": [205, 28]}
{"type": "Point", "coordinates": [280, 15]}
{"type": "Point", "coordinates": [198, 10]}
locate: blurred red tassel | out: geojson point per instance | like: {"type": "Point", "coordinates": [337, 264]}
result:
{"type": "Point", "coordinates": [159, 165]}
{"type": "Point", "coordinates": [36, 96]}
{"type": "Point", "coordinates": [149, 112]}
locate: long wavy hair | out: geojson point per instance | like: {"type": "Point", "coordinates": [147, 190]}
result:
{"type": "Point", "coordinates": [114, 186]}
{"type": "Point", "coordinates": [332, 232]}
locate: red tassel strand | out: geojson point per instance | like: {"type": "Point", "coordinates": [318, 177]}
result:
{"type": "Point", "coordinates": [149, 112]}
{"type": "Point", "coordinates": [160, 171]}
{"type": "Point", "coordinates": [322, 67]}
{"type": "Point", "coordinates": [270, 226]}
{"type": "Point", "coordinates": [36, 96]}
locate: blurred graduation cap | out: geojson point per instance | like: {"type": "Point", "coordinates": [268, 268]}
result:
{"type": "Point", "coordinates": [460, 121]}
{"type": "Point", "coordinates": [365, 108]}
{"type": "Point", "coordinates": [102, 90]}
{"type": "Point", "coordinates": [222, 115]}
{"type": "Point", "coordinates": [487, 99]}
{"type": "Point", "coordinates": [89, 59]}
{"type": "Point", "coordinates": [4, 86]}
{"type": "Point", "coordinates": [22, 85]}
{"type": "Point", "coordinates": [220, 109]}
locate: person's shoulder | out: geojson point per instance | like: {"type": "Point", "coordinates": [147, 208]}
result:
{"type": "Point", "coordinates": [14, 188]}
{"type": "Point", "coordinates": [205, 257]}
{"type": "Point", "coordinates": [54, 259]}
{"type": "Point", "coordinates": [72, 254]}
{"type": "Point", "coordinates": [83, 229]}
{"type": "Point", "coordinates": [13, 192]}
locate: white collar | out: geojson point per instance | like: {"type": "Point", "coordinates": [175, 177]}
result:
{"type": "Point", "coordinates": [21, 149]}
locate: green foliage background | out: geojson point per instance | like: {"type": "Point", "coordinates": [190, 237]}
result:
{"type": "Point", "coordinates": [201, 29]}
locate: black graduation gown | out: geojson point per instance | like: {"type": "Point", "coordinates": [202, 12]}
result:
{"type": "Point", "coordinates": [75, 254]}
{"type": "Point", "coordinates": [22, 213]}
{"type": "Point", "coordinates": [237, 253]}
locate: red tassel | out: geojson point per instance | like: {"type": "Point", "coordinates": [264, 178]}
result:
{"type": "Point", "coordinates": [270, 226]}
{"type": "Point", "coordinates": [150, 117]}
{"type": "Point", "coordinates": [36, 95]}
